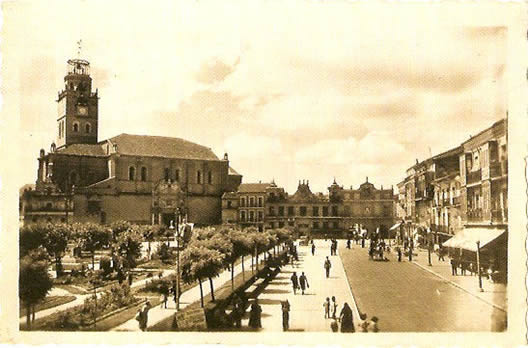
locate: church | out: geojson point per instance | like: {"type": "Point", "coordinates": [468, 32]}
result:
{"type": "Point", "coordinates": [138, 178]}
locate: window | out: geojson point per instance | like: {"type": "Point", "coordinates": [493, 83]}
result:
{"type": "Point", "coordinates": [335, 224]}
{"type": "Point", "coordinates": [251, 216]}
{"type": "Point", "coordinates": [229, 204]}
{"type": "Point", "coordinates": [334, 210]}
{"type": "Point", "coordinates": [209, 177]}
{"type": "Point", "coordinates": [316, 225]}
{"type": "Point", "coordinates": [167, 174]}
{"type": "Point", "coordinates": [281, 211]}
{"type": "Point", "coordinates": [325, 211]}
{"type": "Point", "coordinates": [88, 128]}
{"type": "Point", "coordinates": [315, 211]}
{"type": "Point", "coordinates": [242, 215]}
{"type": "Point", "coordinates": [74, 177]}
{"type": "Point", "coordinates": [272, 211]}
{"type": "Point", "coordinates": [281, 224]}
{"type": "Point", "coordinates": [242, 201]}
{"type": "Point", "coordinates": [302, 211]}
{"type": "Point", "coordinates": [131, 173]}
{"type": "Point", "coordinates": [143, 173]}
{"type": "Point", "coordinates": [260, 201]}
{"type": "Point", "coordinates": [260, 215]}
{"type": "Point", "coordinates": [290, 211]}
{"type": "Point", "coordinates": [325, 225]}
{"type": "Point", "coordinates": [177, 175]}
{"type": "Point", "coordinates": [198, 177]}
{"type": "Point", "coordinates": [251, 201]}
{"type": "Point", "coordinates": [76, 127]}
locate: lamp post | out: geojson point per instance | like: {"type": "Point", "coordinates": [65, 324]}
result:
{"type": "Point", "coordinates": [478, 267]}
{"type": "Point", "coordinates": [177, 238]}
{"type": "Point", "coordinates": [429, 246]}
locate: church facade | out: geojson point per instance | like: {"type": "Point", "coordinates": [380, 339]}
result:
{"type": "Point", "coordinates": [142, 179]}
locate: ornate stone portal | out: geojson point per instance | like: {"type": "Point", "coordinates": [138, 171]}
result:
{"type": "Point", "coordinates": [168, 201]}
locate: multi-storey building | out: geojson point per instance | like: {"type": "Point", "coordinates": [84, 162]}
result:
{"type": "Point", "coordinates": [145, 179]}
{"type": "Point", "coordinates": [446, 216]}
{"type": "Point", "coordinates": [314, 213]}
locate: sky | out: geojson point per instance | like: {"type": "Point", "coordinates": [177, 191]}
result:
{"type": "Point", "coordinates": [301, 91]}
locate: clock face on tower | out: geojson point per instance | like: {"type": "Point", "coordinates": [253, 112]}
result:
{"type": "Point", "coordinates": [82, 110]}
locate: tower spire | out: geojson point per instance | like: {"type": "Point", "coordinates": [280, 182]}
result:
{"type": "Point", "coordinates": [79, 48]}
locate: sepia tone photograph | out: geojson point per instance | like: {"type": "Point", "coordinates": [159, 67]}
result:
{"type": "Point", "coordinates": [263, 170]}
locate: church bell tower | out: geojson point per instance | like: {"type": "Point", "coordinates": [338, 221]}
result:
{"type": "Point", "coordinates": [77, 120]}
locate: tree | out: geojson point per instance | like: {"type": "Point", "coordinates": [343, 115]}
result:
{"type": "Point", "coordinates": [34, 281]}
{"type": "Point", "coordinates": [119, 226]}
{"type": "Point", "coordinates": [252, 236]}
{"type": "Point", "coordinates": [92, 237]}
{"type": "Point", "coordinates": [31, 237]}
{"type": "Point", "coordinates": [128, 244]}
{"type": "Point", "coordinates": [241, 247]}
{"type": "Point", "coordinates": [56, 237]}
{"type": "Point", "coordinates": [199, 262]}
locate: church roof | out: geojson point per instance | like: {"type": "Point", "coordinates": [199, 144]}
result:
{"type": "Point", "coordinates": [232, 171]}
{"type": "Point", "coordinates": [253, 187]}
{"type": "Point", "coordinates": [156, 146]}
{"type": "Point", "coordinates": [95, 150]}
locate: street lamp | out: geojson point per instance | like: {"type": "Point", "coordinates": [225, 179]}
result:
{"type": "Point", "coordinates": [429, 246]}
{"type": "Point", "coordinates": [177, 237]}
{"type": "Point", "coordinates": [478, 267]}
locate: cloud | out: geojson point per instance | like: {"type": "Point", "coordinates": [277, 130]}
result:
{"type": "Point", "coordinates": [215, 71]}
{"type": "Point", "coordinates": [253, 147]}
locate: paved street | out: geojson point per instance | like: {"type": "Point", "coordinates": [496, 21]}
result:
{"type": "Point", "coordinates": [307, 313]}
{"type": "Point", "coordinates": [407, 298]}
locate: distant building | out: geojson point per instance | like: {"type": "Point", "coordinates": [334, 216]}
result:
{"type": "Point", "coordinates": [143, 179]}
{"type": "Point", "coordinates": [312, 213]}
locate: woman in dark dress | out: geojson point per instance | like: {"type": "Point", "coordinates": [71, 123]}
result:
{"type": "Point", "coordinates": [347, 322]}
{"type": "Point", "coordinates": [254, 316]}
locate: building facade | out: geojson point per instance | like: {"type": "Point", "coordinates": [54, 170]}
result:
{"type": "Point", "coordinates": [312, 213]}
{"type": "Point", "coordinates": [143, 179]}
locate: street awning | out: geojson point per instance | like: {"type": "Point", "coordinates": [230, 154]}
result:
{"type": "Point", "coordinates": [467, 238]}
{"type": "Point", "coordinates": [395, 226]}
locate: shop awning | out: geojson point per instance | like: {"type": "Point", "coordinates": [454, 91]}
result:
{"type": "Point", "coordinates": [395, 226]}
{"type": "Point", "coordinates": [467, 238]}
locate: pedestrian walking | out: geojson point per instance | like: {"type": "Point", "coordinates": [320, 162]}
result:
{"type": "Point", "coordinates": [313, 249]}
{"type": "Point", "coordinates": [164, 297]}
{"type": "Point", "coordinates": [327, 266]}
{"type": "Point", "coordinates": [410, 253]}
{"type": "Point", "coordinates": [334, 307]}
{"type": "Point", "coordinates": [441, 253]}
{"type": "Point", "coordinates": [285, 315]}
{"type": "Point", "coordinates": [295, 282]}
{"type": "Point", "coordinates": [142, 316]}
{"type": "Point", "coordinates": [326, 306]}
{"type": "Point", "coordinates": [454, 266]}
{"type": "Point", "coordinates": [347, 321]}
{"type": "Point", "coordinates": [348, 243]}
{"type": "Point", "coordinates": [463, 267]}
{"type": "Point", "coordinates": [363, 241]}
{"type": "Point", "coordinates": [238, 311]}
{"type": "Point", "coordinates": [303, 282]}
{"type": "Point", "coordinates": [255, 315]}
{"type": "Point", "coordinates": [398, 250]}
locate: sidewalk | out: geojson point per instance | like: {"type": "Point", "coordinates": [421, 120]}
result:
{"type": "Point", "coordinates": [306, 311]}
{"type": "Point", "coordinates": [494, 294]}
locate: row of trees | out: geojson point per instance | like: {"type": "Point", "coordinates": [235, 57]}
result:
{"type": "Point", "coordinates": [211, 250]}
{"type": "Point", "coordinates": [122, 237]}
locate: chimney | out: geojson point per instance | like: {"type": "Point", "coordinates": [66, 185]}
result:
{"type": "Point", "coordinates": [226, 157]}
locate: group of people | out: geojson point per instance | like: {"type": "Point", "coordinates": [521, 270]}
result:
{"type": "Point", "coordinates": [346, 318]}
{"type": "Point", "coordinates": [333, 247]}
{"type": "Point", "coordinates": [376, 250]}
{"type": "Point", "coordinates": [299, 282]}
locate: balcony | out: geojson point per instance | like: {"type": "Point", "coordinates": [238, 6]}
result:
{"type": "Point", "coordinates": [499, 169]}
{"type": "Point", "coordinates": [440, 228]}
{"type": "Point", "coordinates": [474, 177]}
{"type": "Point", "coordinates": [474, 215]}
{"type": "Point", "coordinates": [497, 216]}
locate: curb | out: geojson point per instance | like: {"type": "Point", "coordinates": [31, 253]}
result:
{"type": "Point", "coordinates": [460, 287]}
{"type": "Point", "coordinates": [351, 292]}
